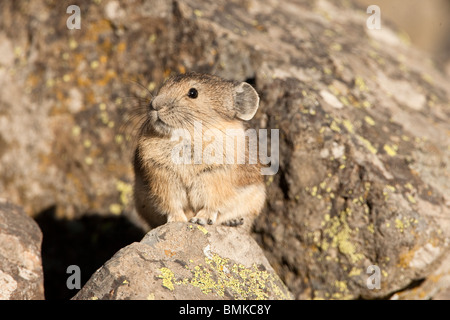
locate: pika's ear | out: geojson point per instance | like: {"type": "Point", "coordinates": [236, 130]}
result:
{"type": "Point", "coordinates": [246, 101]}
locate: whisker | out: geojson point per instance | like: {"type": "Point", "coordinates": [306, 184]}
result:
{"type": "Point", "coordinates": [142, 86]}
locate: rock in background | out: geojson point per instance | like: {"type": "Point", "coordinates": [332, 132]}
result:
{"type": "Point", "coordinates": [436, 286]}
{"type": "Point", "coordinates": [21, 276]}
{"type": "Point", "coordinates": [363, 119]}
{"type": "Point", "coordinates": [186, 261]}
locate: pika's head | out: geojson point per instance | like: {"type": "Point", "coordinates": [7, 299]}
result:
{"type": "Point", "coordinates": [187, 98]}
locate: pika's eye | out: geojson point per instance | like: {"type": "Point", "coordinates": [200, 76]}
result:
{"type": "Point", "coordinates": [192, 93]}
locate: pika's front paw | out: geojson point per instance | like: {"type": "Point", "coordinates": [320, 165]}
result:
{"type": "Point", "coordinates": [205, 217]}
{"type": "Point", "coordinates": [177, 217]}
{"type": "Point", "coordinates": [234, 222]}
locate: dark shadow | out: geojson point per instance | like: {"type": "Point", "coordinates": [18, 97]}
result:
{"type": "Point", "coordinates": [251, 81]}
{"type": "Point", "coordinates": [87, 242]}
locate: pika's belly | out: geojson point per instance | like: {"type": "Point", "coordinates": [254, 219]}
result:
{"type": "Point", "coordinates": [209, 192]}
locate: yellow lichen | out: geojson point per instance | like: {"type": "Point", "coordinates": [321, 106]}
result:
{"type": "Point", "coordinates": [327, 70]}
{"type": "Point", "coordinates": [411, 199]}
{"type": "Point", "coordinates": [348, 125]}
{"type": "Point", "coordinates": [341, 286]}
{"type": "Point", "coordinates": [344, 100]}
{"type": "Point", "coordinates": [335, 127]}
{"type": "Point", "coordinates": [314, 191]}
{"type": "Point", "coordinates": [73, 44]}
{"type": "Point", "coordinates": [367, 144]}
{"type": "Point", "coordinates": [202, 279]}
{"type": "Point", "coordinates": [115, 208]}
{"type": "Point", "coordinates": [167, 276]}
{"type": "Point", "coordinates": [390, 150]}
{"type": "Point", "coordinates": [336, 46]}
{"type": "Point", "coordinates": [118, 138]}
{"type": "Point", "coordinates": [354, 272]}
{"type": "Point", "coordinates": [399, 225]}
{"type": "Point", "coordinates": [76, 130]}
{"type": "Point", "coordinates": [202, 229]}
{"type": "Point", "coordinates": [359, 82]}
{"type": "Point", "coordinates": [94, 64]}
{"type": "Point", "coordinates": [87, 143]}
{"type": "Point", "coordinates": [219, 275]}
{"type": "Point", "coordinates": [366, 104]}
{"type": "Point", "coordinates": [88, 160]}
{"type": "Point", "coordinates": [369, 120]}
{"type": "Point", "coordinates": [67, 77]}
{"type": "Point", "coordinates": [390, 188]}
{"type": "Point", "coordinates": [339, 231]}
{"type": "Point", "coordinates": [409, 186]}
{"type": "Point", "coordinates": [126, 190]}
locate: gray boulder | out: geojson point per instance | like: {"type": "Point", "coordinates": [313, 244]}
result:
{"type": "Point", "coordinates": [187, 261]}
{"type": "Point", "coordinates": [21, 275]}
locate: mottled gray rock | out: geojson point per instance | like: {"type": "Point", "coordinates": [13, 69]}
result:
{"type": "Point", "coordinates": [21, 276]}
{"type": "Point", "coordinates": [187, 261]}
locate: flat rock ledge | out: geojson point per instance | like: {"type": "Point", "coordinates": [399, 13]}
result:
{"type": "Point", "coordinates": [187, 261]}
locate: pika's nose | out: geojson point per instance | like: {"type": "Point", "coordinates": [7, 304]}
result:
{"type": "Point", "coordinates": [151, 106]}
{"type": "Point", "coordinates": [155, 104]}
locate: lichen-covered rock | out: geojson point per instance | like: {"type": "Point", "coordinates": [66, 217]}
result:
{"type": "Point", "coordinates": [21, 276]}
{"type": "Point", "coordinates": [363, 119]}
{"type": "Point", "coordinates": [187, 261]}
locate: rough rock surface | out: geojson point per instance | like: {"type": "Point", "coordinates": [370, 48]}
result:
{"type": "Point", "coordinates": [186, 261]}
{"type": "Point", "coordinates": [436, 286]}
{"type": "Point", "coordinates": [363, 119]}
{"type": "Point", "coordinates": [21, 276]}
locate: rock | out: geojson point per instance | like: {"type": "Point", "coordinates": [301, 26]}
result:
{"type": "Point", "coordinates": [436, 286]}
{"type": "Point", "coordinates": [363, 120]}
{"type": "Point", "coordinates": [21, 276]}
{"type": "Point", "coordinates": [187, 261]}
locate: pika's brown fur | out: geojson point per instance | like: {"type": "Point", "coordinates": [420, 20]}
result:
{"type": "Point", "coordinates": [200, 191]}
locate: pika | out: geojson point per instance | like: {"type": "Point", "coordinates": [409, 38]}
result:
{"type": "Point", "coordinates": [204, 188]}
